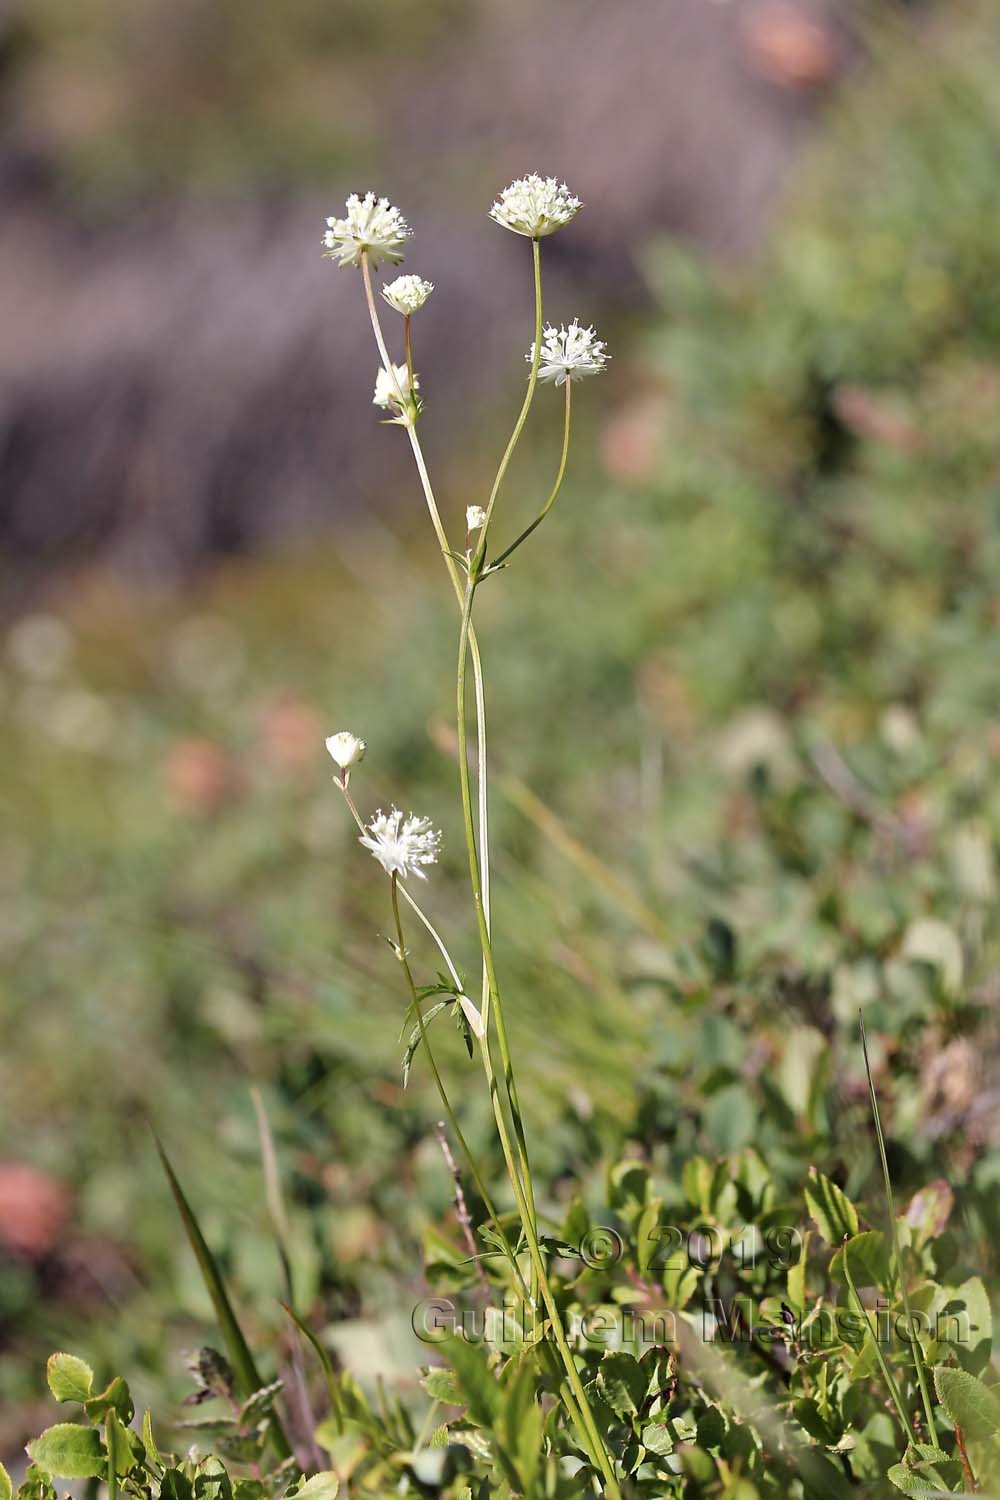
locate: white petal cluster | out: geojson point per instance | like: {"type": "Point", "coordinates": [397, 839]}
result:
{"type": "Point", "coordinates": [535, 206]}
{"type": "Point", "coordinates": [569, 353]}
{"type": "Point", "coordinates": [392, 392]}
{"type": "Point", "coordinates": [407, 294]}
{"type": "Point", "coordinates": [370, 224]}
{"type": "Point", "coordinates": [401, 847]}
{"type": "Point", "coordinates": [346, 749]}
{"type": "Point", "coordinates": [475, 517]}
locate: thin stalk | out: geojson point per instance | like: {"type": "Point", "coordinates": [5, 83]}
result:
{"type": "Point", "coordinates": [481, 1188]}
{"type": "Point", "coordinates": [491, 999]}
{"type": "Point", "coordinates": [529, 396]}
{"type": "Point", "coordinates": [560, 475]}
{"type": "Point", "coordinates": [453, 574]}
{"type": "Point", "coordinates": [571, 1396]}
{"type": "Point", "coordinates": [918, 1354]}
{"type": "Point", "coordinates": [523, 1188]}
{"type": "Point", "coordinates": [887, 1375]}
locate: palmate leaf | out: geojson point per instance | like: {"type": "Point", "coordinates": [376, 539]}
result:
{"type": "Point", "coordinates": [248, 1379]}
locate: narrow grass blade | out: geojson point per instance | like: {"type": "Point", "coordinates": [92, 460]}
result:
{"type": "Point", "coordinates": [918, 1353]}
{"type": "Point", "coordinates": [248, 1378]}
{"type": "Point", "coordinates": [324, 1359]}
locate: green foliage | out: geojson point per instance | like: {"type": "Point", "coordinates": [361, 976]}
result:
{"type": "Point", "coordinates": [765, 793]}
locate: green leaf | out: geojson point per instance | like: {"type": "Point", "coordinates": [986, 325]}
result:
{"type": "Point", "coordinates": [175, 1485]}
{"type": "Point", "coordinates": [912, 1483]}
{"type": "Point", "coordinates": [442, 1386]}
{"type": "Point", "coordinates": [479, 1391]}
{"type": "Point", "coordinates": [120, 1455]}
{"type": "Point", "coordinates": [416, 1036]}
{"type": "Point", "coordinates": [148, 1440]}
{"type": "Point", "coordinates": [115, 1397]}
{"type": "Point", "coordinates": [247, 1375]}
{"type": "Point", "coordinates": [868, 1259]}
{"type": "Point", "coordinates": [322, 1486]}
{"type": "Point", "coordinates": [656, 1439]}
{"type": "Point", "coordinates": [6, 1488]}
{"type": "Point", "coordinates": [69, 1451]}
{"type": "Point", "coordinates": [970, 1404]}
{"type": "Point", "coordinates": [36, 1485]}
{"type": "Point", "coordinates": [835, 1214]}
{"type": "Point", "coordinates": [70, 1379]}
{"type": "Point", "coordinates": [976, 1333]}
{"type": "Point", "coordinates": [622, 1383]}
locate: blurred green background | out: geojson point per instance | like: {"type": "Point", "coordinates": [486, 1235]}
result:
{"type": "Point", "coordinates": [744, 687]}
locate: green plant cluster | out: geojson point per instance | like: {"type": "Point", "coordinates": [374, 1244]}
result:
{"type": "Point", "coordinates": [748, 783]}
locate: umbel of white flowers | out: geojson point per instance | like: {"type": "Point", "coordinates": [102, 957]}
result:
{"type": "Point", "coordinates": [535, 206]}
{"type": "Point", "coordinates": [401, 847]}
{"type": "Point", "coordinates": [475, 517]}
{"type": "Point", "coordinates": [407, 294]}
{"type": "Point", "coordinates": [346, 749]}
{"type": "Point", "coordinates": [569, 353]}
{"type": "Point", "coordinates": [370, 225]}
{"type": "Point", "coordinates": [392, 392]}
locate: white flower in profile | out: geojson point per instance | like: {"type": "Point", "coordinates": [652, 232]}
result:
{"type": "Point", "coordinates": [475, 517]}
{"type": "Point", "coordinates": [407, 294]}
{"type": "Point", "coordinates": [370, 225]}
{"type": "Point", "coordinates": [392, 392]}
{"type": "Point", "coordinates": [569, 353]}
{"type": "Point", "coordinates": [346, 749]}
{"type": "Point", "coordinates": [401, 847]}
{"type": "Point", "coordinates": [535, 206]}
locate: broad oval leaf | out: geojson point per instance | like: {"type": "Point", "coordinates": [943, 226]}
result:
{"type": "Point", "coordinates": [969, 1403]}
{"type": "Point", "coordinates": [69, 1451]}
{"type": "Point", "coordinates": [70, 1378]}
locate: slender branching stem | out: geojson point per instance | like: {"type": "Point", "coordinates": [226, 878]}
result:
{"type": "Point", "coordinates": [459, 1135]}
{"type": "Point", "coordinates": [570, 1394]}
{"type": "Point", "coordinates": [522, 416]}
{"type": "Point", "coordinates": [575, 1396]}
{"type": "Point", "coordinates": [457, 585]}
{"type": "Point", "coordinates": [557, 486]}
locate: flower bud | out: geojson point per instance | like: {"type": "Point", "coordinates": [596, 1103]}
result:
{"type": "Point", "coordinates": [346, 749]}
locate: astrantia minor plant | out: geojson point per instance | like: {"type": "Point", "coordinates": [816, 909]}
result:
{"type": "Point", "coordinates": [372, 231]}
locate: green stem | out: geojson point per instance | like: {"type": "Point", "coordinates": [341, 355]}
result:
{"type": "Point", "coordinates": [456, 581]}
{"type": "Point", "coordinates": [918, 1354]}
{"type": "Point", "coordinates": [491, 1000]}
{"type": "Point", "coordinates": [439, 1082]}
{"type": "Point", "coordinates": [522, 417]}
{"type": "Point", "coordinates": [560, 475]}
{"type": "Point", "coordinates": [523, 1188]}
{"type": "Point", "coordinates": [588, 1436]}
{"type": "Point", "coordinates": [887, 1374]}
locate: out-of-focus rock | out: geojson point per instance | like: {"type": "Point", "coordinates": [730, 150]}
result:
{"type": "Point", "coordinates": [198, 776]}
{"type": "Point", "coordinates": [34, 1209]}
{"type": "Point", "coordinates": [193, 379]}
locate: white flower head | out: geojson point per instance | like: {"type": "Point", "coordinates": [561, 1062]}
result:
{"type": "Point", "coordinates": [346, 749]}
{"type": "Point", "coordinates": [569, 353]}
{"type": "Point", "coordinates": [371, 224]}
{"type": "Point", "coordinates": [475, 517]}
{"type": "Point", "coordinates": [401, 847]}
{"type": "Point", "coordinates": [535, 206]}
{"type": "Point", "coordinates": [407, 294]}
{"type": "Point", "coordinates": [392, 392]}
